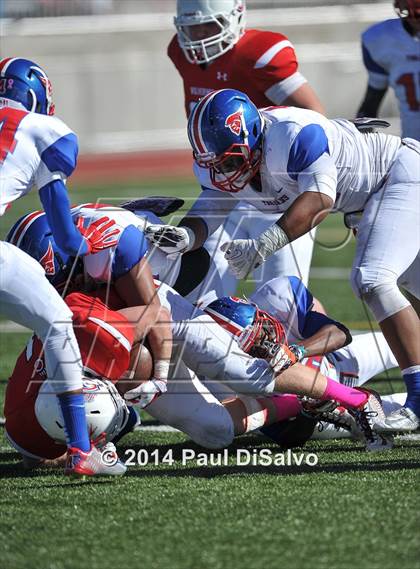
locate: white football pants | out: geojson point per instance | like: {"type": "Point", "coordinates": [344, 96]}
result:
{"type": "Point", "coordinates": [26, 297]}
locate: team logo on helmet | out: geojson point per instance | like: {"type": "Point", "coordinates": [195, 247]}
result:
{"type": "Point", "coordinates": [47, 261]}
{"type": "Point", "coordinates": [234, 122]}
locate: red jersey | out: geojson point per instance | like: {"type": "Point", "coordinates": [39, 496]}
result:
{"type": "Point", "coordinates": [105, 338]}
{"type": "Point", "coordinates": [260, 62]}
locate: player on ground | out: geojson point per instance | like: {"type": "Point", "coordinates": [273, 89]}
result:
{"type": "Point", "coordinates": [213, 353]}
{"type": "Point", "coordinates": [211, 416]}
{"type": "Point", "coordinates": [125, 265]}
{"type": "Point", "coordinates": [213, 49]}
{"type": "Point", "coordinates": [110, 338]}
{"type": "Point", "coordinates": [392, 59]}
{"type": "Point", "coordinates": [297, 162]}
{"type": "Point", "coordinates": [38, 149]}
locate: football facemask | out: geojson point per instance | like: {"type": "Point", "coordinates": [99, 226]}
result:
{"type": "Point", "coordinates": [208, 28]}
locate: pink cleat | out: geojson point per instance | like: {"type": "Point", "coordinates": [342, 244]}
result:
{"type": "Point", "coordinates": [104, 462]}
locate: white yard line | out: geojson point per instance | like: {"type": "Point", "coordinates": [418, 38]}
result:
{"type": "Point", "coordinates": [168, 429]}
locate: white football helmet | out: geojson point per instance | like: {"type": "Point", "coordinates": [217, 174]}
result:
{"type": "Point", "coordinates": [228, 17]}
{"type": "Point", "coordinates": [106, 411]}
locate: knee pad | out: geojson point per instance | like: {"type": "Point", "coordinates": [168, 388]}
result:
{"type": "Point", "coordinates": [383, 298]}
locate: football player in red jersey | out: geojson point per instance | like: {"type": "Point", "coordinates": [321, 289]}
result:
{"type": "Point", "coordinates": [110, 337]}
{"type": "Point", "coordinates": [213, 50]}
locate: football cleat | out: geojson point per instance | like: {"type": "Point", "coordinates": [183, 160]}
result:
{"type": "Point", "coordinates": [330, 412]}
{"type": "Point", "coordinates": [370, 418]}
{"type": "Point", "coordinates": [104, 462]}
{"type": "Point", "coordinates": [403, 420]}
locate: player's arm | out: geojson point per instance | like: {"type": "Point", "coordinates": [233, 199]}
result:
{"type": "Point", "coordinates": [305, 98]}
{"type": "Point", "coordinates": [58, 161]}
{"type": "Point", "coordinates": [323, 335]}
{"type": "Point", "coordinates": [55, 201]}
{"type": "Point", "coordinates": [311, 166]}
{"type": "Point", "coordinates": [206, 215]}
{"type": "Point", "coordinates": [279, 77]}
{"type": "Point", "coordinates": [134, 284]}
{"type": "Point", "coordinates": [369, 107]}
{"type": "Point", "coordinates": [377, 77]}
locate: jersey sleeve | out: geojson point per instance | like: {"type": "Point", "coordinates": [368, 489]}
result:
{"type": "Point", "coordinates": [373, 60]}
{"type": "Point", "coordinates": [288, 300]}
{"type": "Point", "coordinates": [131, 249]}
{"type": "Point", "coordinates": [310, 164]}
{"type": "Point", "coordinates": [58, 149]}
{"type": "Point", "coordinates": [273, 66]}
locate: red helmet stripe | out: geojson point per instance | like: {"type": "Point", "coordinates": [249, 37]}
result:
{"type": "Point", "coordinates": [197, 114]}
{"type": "Point", "coordinates": [23, 226]}
{"type": "Point", "coordinates": [4, 64]}
{"type": "Point", "coordinates": [224, 322]}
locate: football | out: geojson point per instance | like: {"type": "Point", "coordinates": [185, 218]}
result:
{"type": "Point", "coordinates": [142, 365]}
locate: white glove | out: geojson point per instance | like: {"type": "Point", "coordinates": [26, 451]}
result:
{"type": "Point", "coordinates": [245, 255]}
{"type": "Point", "coordinates": [170, 239]}
{"type": "Point", "coordinates": [146, 393]}
{"type": "Point", "coordinates": [242, 256]}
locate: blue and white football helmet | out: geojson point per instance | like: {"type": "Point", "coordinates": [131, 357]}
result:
{"type": "Point", "coordinates": [225, 131]}
{"type": "Point", "coordinates": [257, 329]}
{"type": "Point", "coordinates": [24, 81]}
{"type": "Point", "coordinates": [32, 234]}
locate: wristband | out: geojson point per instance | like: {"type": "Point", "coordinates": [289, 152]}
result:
{"type": "Point", "coordinates": [161, 370]}
{"type": "Point", "coordinates": [299, 351]}
{"type": "Point", "coordinates": [273, 239]}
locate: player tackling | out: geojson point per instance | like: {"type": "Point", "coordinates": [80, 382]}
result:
{"type": "Point", "coordinates": [297, 162]}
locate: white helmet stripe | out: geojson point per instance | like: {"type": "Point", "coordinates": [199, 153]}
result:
{"type": "Point", "coordinates": [24, 225]}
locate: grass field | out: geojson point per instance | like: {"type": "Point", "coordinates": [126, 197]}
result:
{"type": "Point", "coordinates": [352, 509]}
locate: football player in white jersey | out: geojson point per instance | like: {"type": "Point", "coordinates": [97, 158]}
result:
{"type": "Point", "coordinates": [212, 47]}
{"type": "Point", "coordinates": [37, 149]}
{"type": "Point", "coordinates": [297, 162]}
{"type": "Point", "coordinates": [391, 54]}
{"type": "Point", "coordinates": [200, 346]}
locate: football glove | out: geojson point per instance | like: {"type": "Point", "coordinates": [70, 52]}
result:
{"type": "Point", "coordinates": [286, 356]}
{"type": "Point", "coordinates": [99, 235]}
{"type": "Point", "coordinates": [242, 256]}
{"type": "Point", "coordinates": [145, 393]}
{"type": "Point", "coordinates": [170, 239]}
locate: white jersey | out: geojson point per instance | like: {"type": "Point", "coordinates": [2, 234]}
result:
{"type": "Point", "coordinates": [35, 149]}
{"type": "Point", "coordinates": [304, 151]}
{"type": "Point", "coordinates": [100, 265]}
{"type": "Point", "coordinates": [290, 302]}
{"type": "Point", "coordinates": [392, 58]}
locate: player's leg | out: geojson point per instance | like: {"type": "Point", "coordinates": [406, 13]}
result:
{"type": "Point", "coordinates": [26, 297]}
{"type": "Point", "coordinates": [388, 243]}
{"type": "Point", "coordinates": [366, 356]}
{"type": "Point", "coordinates": [189, 406]}
{"type": "Point", "coordinates": [410, 281]}
{"type": "Point", "coordinates": [219, 278]}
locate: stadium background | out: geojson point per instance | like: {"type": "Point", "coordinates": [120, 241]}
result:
{"type": "Point", "coordinates": [115, 87]}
